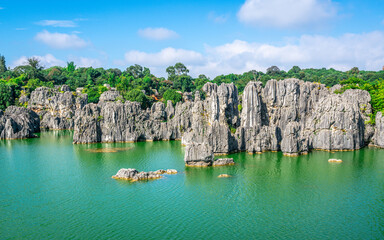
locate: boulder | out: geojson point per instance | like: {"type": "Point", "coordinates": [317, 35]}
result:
{"type": "Point", "coordinates": [18, 122]}
{"type": "Point", "coordinates": [199, 155]}
{"type": "Point", "coordinates": [223, 162]}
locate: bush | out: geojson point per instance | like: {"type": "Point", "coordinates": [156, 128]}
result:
{"type": "Point", "coordinates": [172, 95]}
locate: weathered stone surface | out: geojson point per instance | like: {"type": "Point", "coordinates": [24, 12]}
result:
{"type": "Point", "coordinates": [289, 115]}
{"type": "Point", "coordinates": [132, 174]}
{"type": "Point", "coordinates": [18, 122]}
{"type": "Point", "coordinates": [378, 138]}
{"type": "Point", "coordinates": [110, 96]}
{"type": "Point", "coordinates": [56, 109]}
{"type": "Point", "coordinates": [199, 155]}
{"type": "Point", "coordinates": [223, 162]}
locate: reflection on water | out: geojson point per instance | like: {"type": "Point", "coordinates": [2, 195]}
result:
{"type": "Point", "coordinates": [52, 189]}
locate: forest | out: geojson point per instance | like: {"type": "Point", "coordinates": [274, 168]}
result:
{"type": "Point", "coordinates": [137, 83]}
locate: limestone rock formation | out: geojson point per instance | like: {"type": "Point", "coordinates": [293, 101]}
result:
{"type": "Point", "coordinates": [292, 116]}
{"type": "Point", "coordinates": [199, 155]}
{"type": "Point", "coordinates": [223, 162]}
{"type": "Point", "coordinates": [56, 109]}
{"type": "Point", "coordinates": [133, 175]}
{"type": "Point", "coordinates": [110, 96]}
{"type": "Point", "coordinates": [379, 130]}
{"type": "Point", "coordinates": [18, 122]}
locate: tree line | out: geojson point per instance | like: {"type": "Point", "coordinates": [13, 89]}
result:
{"type": "Point", "coordinates": [137, 83]}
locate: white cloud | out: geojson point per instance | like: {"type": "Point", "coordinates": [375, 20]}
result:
{"type": "Point", "coordinates": [61, 40]}
{"type": "Point", "coordinates": [157, 33]}
{"type": "Point", "coordinates": [286, 13]}
{"type": "Point", "coordinates": [87, 62]}
{"type": "Point", "coordinates": [47, 61]}
{"type": "Point", "coordinates": [165, 57]}
{"type": "Point", "coordinates": [57, 23]}
{"type": "Point", "coordinates": [365, 51]}
{"type": "Point", "coordinates": [218, 18]}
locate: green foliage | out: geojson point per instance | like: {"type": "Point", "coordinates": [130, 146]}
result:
{"type": "Point", "coordinates": [136, 95]}
{"type": "Point", "coordinates": [3, 67]}
{"type": "Point", "coordinates": [172, 95]}
{"type": "Point", "coordinates": [240, 107]}
{"type": "Point", "coordinates": [94, 93]}
{"type": "Point", "coordinates": [6, 96]}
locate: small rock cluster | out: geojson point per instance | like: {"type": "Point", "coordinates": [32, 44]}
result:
{"type": "Point", "coordinates": [133, 175]}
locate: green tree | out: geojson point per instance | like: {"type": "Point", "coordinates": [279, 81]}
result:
{"type": "Point", "coordinates": [3, 67]}
{"type": "Point", "coordinates": [71, 67]}
{"type": "Point", "coordinates": [172, 95]}
{"type": "Point", "coordinates": [6, 96]}
{"type": "Point", "coordinates": [273, 70]}
{"type": "Point", "coordinates": [136, 95]}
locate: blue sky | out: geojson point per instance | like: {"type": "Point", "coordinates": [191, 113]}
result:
{"type": "Point", "coordinates": [215, 37]}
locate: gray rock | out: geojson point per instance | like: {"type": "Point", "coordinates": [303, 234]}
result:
{"type": "Point", "coordinates": [134, 175]}
{"type": "Point", "coordinates": [200, 155]}
{"type": "Point", "coordinates": [56, 109]}
{"type": "Point", "coordinates": [110, 96]}
{"type": "Point", "coordinates": [65, 88]}
{"type": "Point", "coordinates": [223, 162]}
{"type": "Point", "coordinates": [379, 130]}
{"type": "Point", "coordinates": [18, 122]}
{"type": "Point", "coordinates": [289, 115]}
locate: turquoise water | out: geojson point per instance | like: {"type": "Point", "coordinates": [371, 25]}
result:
{"type": "Point", "coordinates": [52, 189]}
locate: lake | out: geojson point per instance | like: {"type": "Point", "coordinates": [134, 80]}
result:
{"type": "Point", "coordinates": [52, 189]}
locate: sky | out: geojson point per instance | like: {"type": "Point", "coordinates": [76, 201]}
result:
{"type": "Point", "coordinates": [209, 37]}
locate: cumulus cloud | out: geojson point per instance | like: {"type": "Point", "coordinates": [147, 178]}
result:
{"type": "Point", "coordinates": [157, 33]}
{"type": "Point", "coordinates": [218, 18]}
{"type": "Point", "coordinates": [61, 40]}
{"type": "Point", "coordinates": [57, 23]}
{"type": "Point", "coordinates": [165, 57]}
{"type": "Point", "coordinates": [365, 51]}
{"type": "Point", "coordinates": [47, 61]}
{"type": "Point", "coordinates": [286, 13]}
{"type": "Point", "coordinates": [87, 62]}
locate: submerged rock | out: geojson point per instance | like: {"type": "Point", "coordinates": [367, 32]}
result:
{"type": "Point", "coordinates": [18, 122]}
{"type": "Point", "coordinates": [333, 160]}
{"type": "Point", "coordinates": [223, 162]}
{"type": "Point", "coordinates": [224, 176]}
{"type": "Point", "coordinates": [171, 171]}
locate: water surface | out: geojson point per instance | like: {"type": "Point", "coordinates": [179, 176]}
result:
{"type": "Point", "coordinates": [52, 189]}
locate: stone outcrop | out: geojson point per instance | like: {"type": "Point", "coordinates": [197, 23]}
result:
{"type": "Point", "coordinates": [56, 108]}
{"type": "Point", "coordinates": [198, 154]}
{"type": "Point", "coordinates": [133, 175]}
{"type": "Point", "coordinates": [110, 96]}
{"type": "Point", "coordinates": [378, 139]}
{"type": "Point", "coordinates": [223, 162]}
{"type": "Point", "coordinates": [18, 122]}
{"type": "Point", "coordinates": [289, 115]}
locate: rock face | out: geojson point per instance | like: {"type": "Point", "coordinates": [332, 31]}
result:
{"type": "Point", "coordinates": [223, 162]}
{"type": "Point", "coordinates": [378, 138]}
{"type": "Point", "coordinates": [110, 96]}
{"type": "Point", "coordinates": [133, 175]}
{"type": "Point", "coordinates": [200, 155]}
{"type": "Point", "coordinates": [56, 109]}
{"type": "Point", "coordinates": [289, 115]}
{"type": "Point", "coordinates": [18, 122]}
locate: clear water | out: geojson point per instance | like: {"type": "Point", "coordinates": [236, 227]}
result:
{"type": "Point", "coordinates": [52, 189]}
